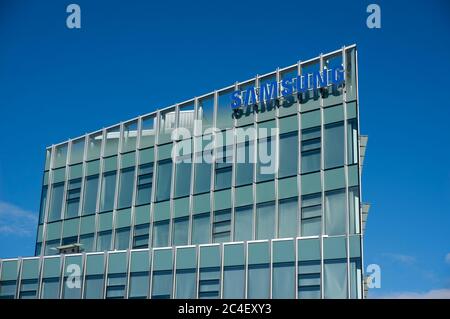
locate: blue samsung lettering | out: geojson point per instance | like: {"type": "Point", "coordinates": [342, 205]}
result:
{"type": "Point", "coordinates": [236, 101]}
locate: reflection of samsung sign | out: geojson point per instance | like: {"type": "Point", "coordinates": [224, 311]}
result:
{"type": "Point", "coordinates": [299, 84]}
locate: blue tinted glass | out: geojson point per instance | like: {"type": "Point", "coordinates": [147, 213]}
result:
{"type": "Point", "coordinates": [258, 281]}
{"type": "Point", "coordinates": [164, 180]}
{"type": "Point", "coordinates": [108, 191]}
{"type": "Point", "coordinates": [334, 145]}
{"type": "Point", "coordinates": [126, 187]}
{"type": "Point", "coordinates": [201, 229]}
{"type": "Point", "coordinates": [186, 284]}
{"type": "Point", "coordinates": [90, 195]}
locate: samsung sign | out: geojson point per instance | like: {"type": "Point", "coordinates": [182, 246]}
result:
{"type": "Point", "coordinates": [298, 84]}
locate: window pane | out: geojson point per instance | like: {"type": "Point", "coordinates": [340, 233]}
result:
{"type": "Point", "coordinates": [50, 247]}
{"type": "Point", "coordinates": [266, 154]}
{"type": "Point", "coordinates": [186, 116]}
{"type": "Point", "coordinates": [353, 201]}
{"type": "Point", "coordinates": [309, 279]}
{"type": "Point", "coordinates": [166, 125]}
{"type": "Point", "coordinates": [202, 181]}
{"type": "Point", "coordinates": [183, 176]}
{"type": "Point", "coordinates": [28, 289]}
{"type": "Point", "coordinates": [164, 180]}
{"type": "Point", "coordinates": [129, 136]}
{"type": "Point", "coordinates": [287, 218]}
{"type": "Point", "coordinates": [126, 187]}
{"type": "Point", "coordinates": [201, 229]}
{"type": "Point", "coordinates": [244, 163]}
{"type": "Point", "coordinates": [283, 281]}
{"type": "Point", "coordinates": [90, 195]}
{"type": "Point", "coordinates": [50, 288]}
{"type": "Point", "coordinates": [311, 161]}
{"type": "Point", "coordinates": [122, 241]}
{"type": "Point", "coordinates": [288, 155]}
{"type": "Point", "coordinates": [311, 144]}
{"type": "Point", "coordinates": [209, 283]}
{"type": "Point", "coordinates": [104, 241]}
{"type": "Point", "coordinates": [258, 281]}
{"type": "Point", "coordinates": [222, 226]}
{"type": "Point", "coordinates": [162, 284]}
{"type": "Point", "coordinates": [334, 145]}
{"type": "Point", "coordinates": [311, 216]}
{"type": "Point", "coordinates": [223, 168]}
{"type": "Point", "coordinates": [8, 289]}
{"type": "Point", "coordinates": [335, 212]}
{"type": "Point", "coordinates": [87, 242]}
{"type": "Point", "coordinates": [335, 279]}
{"type": "Point", "coordinates": [93, 288]}
{"type": "Point", "coordinates": [233, 282]}
{"type": "Point", "coordinates": [108, 191]}
{"type": "Point", "coordinates": [205, 112]}
{"type": "Point", "coordinates": [77, 151]}
{"type": "Point", "coordinates": [265, 221]}
{"type": "Point", "coordinates": [186, 284]}
{"type": "Point", "coordinates": [138, 285]}
{"type": "Point", "coordinates": [224, 118]}
{"type": "Point", "coordinates": [43, 204]}
{"type": "Point", "coordinates": [148, 131]}
{"type": "Point", "coordinates": [161, 234]}
{"type": "Point", "coordinates": [94, 146]}
{"type": "Point", "coordinates": [72, 292]}
{"type": "Point", "coordinates": [116, 286]}
{"type": "Point", "coordinates": [144, 184]}
{"type": "Point", "coordinates": [73, 198]}
{"type": "Point", "coordinates": [141, 236]}
{"type": "Point", "coordinates": [60, 156]}
{"type": "Point", "coordinates": [352, 142]}
{"type": "Point", "coordinates": [112, 141]}
{"type": "Point", "coordinates": [180, 231]}
{"type": "Point", "coordinates": [243, 223]}
{"type": "Point", "coordinates": [56, 202]}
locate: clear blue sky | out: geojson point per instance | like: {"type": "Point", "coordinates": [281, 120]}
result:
{"type": "Point", "coordinates": [126, 60]}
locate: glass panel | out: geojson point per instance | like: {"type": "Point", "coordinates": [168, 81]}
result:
{"type": "Point", "coordinates": [72, 291]}
{"type": "Point", "coordinates": [104, 241]}
{"type": "Point", "coordinates": [224, 118]}
{"type": "Point", "coordinates": [233, 282]}
{"type": "Point", "coordinates": [94, 146]}
{"type": "Point", "coordinates": [309, 279]}
{"type": "Point", "coordinates": [112, 141]}
{"type": "Point", "coordinates": [201, 229]}
{"type": "Point", "coordinates": [8, 289]}
{"type": "Point", "coordinates": [28, 289]}
{"type": "Point", "coordinates": [335, 212]}
{"type": "Point", "coordinates": [244, 163]}
{"type": "Point", "coordinates": [243, 223]}
{"type": "Point", "coordinates": [77, 151]}
{"type": "Point", "coordinates": [56, 202]}
{"type": "Point", "coordinates": [129, 136]}
{"type": "Point", "coordinates": [141, 236]}
{"type": "Point", "coordinates": [258, 281]}
{"type": "Point", "coordinates": [283, 282]}
{"type": "Point", "coordinates": [311, 220]}
{"type": "Point", "coordinates": [122, 241]}
{"type": "Point", "coordinates": [50, 288]}
{"type": "Point", "coordinates": [108, 191]}
{"type": "Point", "coordinates": [183, 176]}
{"type": "Point", "coordinates": [48, 157]}
{"type": "Point", "coordinates": [311, 144]}
{"type": "Point", "coordinates": [116, 286]}
{"type": "Point", "coordinates": [265, 221]}
{"type": "Point", "coordinates": [352, 142]}
{"type": "Point", "coordinates": [139, 283]}
{"type": "Point", "coordinates": [148, 131]}
{"type": "Point", "coordinates": [50, 247]}
{"type": "Point", "coordinates": [180, 231]}
{"type": "Point", "coordinates": [186, 284]}
{"type": "Point", "coordinates": [166, 125]}
{"type": "Point", "coordinates": [266, 154]}
{"type": "Point", "coordinates": [287, 218]}
{"type": "Point", "coordinates": [73, 198]}
{"type": "Point", "coordinates": [186, 116]}
{"type": "Point", "coordinates": [144, 184]}
{"type": "Point", "coordinates": [205, 112]}
{"type": "Point", "coordinates": [335, 279]}
{"type": "Point", "coordinates": [87, 242]}
{"type": "Point", "coordinates": [90, 195]}
{"type": "Point", "coordinates": [161, 234]}
{"type": "Point", "coordinates": [209, 283]}
{"type": "Point", "coordinates": [164, 180]}
{"type": "Point", "coordinates": [43, 204]}
{"type": "Point", "coordinates": [353, 201]}
{"type": "Point", "coordinates": [222, 226]}
{"type": "Point", "coordinates": [223, 168]}
{"type": "Point", "coordinates": [162, 284]}
{"type": "Point", "coordinates": [60, 156]}
{"type": "Point", "coordinates": [288, 155]}
{"type": "Point", "coordinates": [93, 287]}
{"type": "Point", "coordinates": [334, 145]}
{"type": "Point", "coordinates": [355, 279]}
{"type": "Point", "coordinates": [126, 187]}
{"type": "Point", "coordinates": [202, 181]}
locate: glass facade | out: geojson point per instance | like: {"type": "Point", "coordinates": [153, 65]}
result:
{"type": "Point", "coordinates": [287, 230]}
